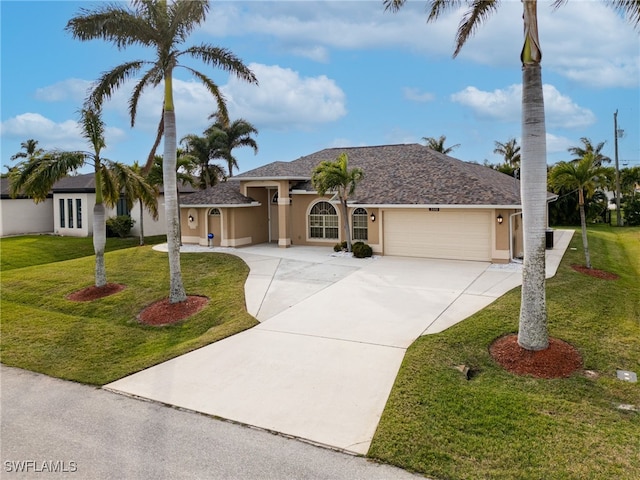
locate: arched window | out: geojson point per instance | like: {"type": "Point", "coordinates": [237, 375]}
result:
{"type": "Point", "coordinates": [214, 212]}
{"type": "Point", "coordinates": [323, 221]}
{"type": "Point", "coordinates": [360, 224]}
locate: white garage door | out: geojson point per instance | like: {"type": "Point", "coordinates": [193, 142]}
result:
{"type": "Point", "coordinates": [454, 234]}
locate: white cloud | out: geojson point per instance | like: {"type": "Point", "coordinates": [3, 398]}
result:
{"type": "Point", "coordinates": [415, 95]}
{"type": "Point", "coordinates": [557, 144]}
{"type": "Point", "coordinates": [73, 89]}
{"type": "Point", "coordinates": [586, 41]}
{"type": "Point", "coordinates": [506, 105]}
{"type": "Point", "coordinates": [51, 135]}
{"type": "Point", "coordinates": [285, 99]}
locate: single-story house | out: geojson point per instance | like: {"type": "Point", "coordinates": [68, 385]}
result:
{"type": "Point", "coordinates": [412, 202]}
{"type": "Point", "coordinates": [68, 210]}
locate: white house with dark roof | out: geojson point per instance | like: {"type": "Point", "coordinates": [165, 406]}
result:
{"type": "Point", "coordinates": [412, 202]}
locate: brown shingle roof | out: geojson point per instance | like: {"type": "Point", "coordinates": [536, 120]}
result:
{"type": "Point", "coordinates": [224, 193]}
{"type": "Point", "coordinates": [409, 174]}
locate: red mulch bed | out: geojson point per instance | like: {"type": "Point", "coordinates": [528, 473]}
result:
{"type": "Point", "coordinates": [595, 272]}
{"type": "Point", "coordinates": [164, 313]}
{"type": "Point", "coordinates": [560, 360]}
{"type": "Point", "coordinates": [93, 293]}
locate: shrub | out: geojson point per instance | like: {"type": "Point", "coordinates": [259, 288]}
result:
{"type": "Point", "coordinates": [361, 250]}
{"type": "Point", "coordinates": [632, 210]}
{"type": "Point", "coordinates": [339, 247]}
{"type": "Point", "coordinates": [119, 226]}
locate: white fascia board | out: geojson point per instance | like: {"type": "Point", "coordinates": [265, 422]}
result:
{"type": "Point", "coordinates": [286, 177]}
{"type": "Point", "coordinates": [423, 206]}
{"type": "Point", "coordinates": [221, 205]}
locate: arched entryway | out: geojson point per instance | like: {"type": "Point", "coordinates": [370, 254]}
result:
{"type": "Point", "coordinates": [214, 219]}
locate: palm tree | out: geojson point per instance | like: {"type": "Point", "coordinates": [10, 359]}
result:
{"type": "Point", "coordinates": [30, 148]}
{"type": "Point", "coordinates": [437, 144]}
{"type": "Point", "coordinates": [588, 148]}
{"type": "Point", "coordinates": [225, 136]}
{"type": "Point", "coordinates": [532, 333]}
{"type": "Point", "coordinates": [35, 177]}
{"type": "Point", "coordinates": [163, 26]}
{"type": "Point", "coordinates": [199, 151]}
{"type": "Point", "coordinates": [582, 176]}
{"type": "Point", "coordinates": [510, 151]}
{"type": "Point", "coordinates": [131, 194]}
{"type": "Point", "coordinates": [336, 176]}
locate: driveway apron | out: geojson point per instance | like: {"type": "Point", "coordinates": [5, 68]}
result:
{"type": "Point", "coordinates": [333, 333]}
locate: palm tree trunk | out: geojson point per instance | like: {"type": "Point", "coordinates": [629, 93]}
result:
{"type": "Point", "coordinates": [176, 288]}
{"type": "Point", "coordinates": [532, 333]}
{"type": "Point", "coordinates": [347, 230]}
{"type": "Point", "coordinates": [141, 223]}
{"type": "Point", "coordinates": [583, 223]}
{"type": "Point", "coordinates": [99, 242]}
{"type": "Point", "coordinates": [99, 228]}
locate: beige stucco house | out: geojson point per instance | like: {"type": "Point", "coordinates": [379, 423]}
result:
{"type": "Point", "coordinates": [412, 202]}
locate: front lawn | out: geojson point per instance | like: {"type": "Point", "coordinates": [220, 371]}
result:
{"type": "Point", "coordinates": [100, 341]}
{"type": "Point", "coordinates": [501, 426]}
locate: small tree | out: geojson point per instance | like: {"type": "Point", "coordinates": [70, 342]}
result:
{"type": "Point", "coordinates": [437, 144]}
{"type": "Point", "coordinates": [583, 177]}
{"type": "Point", "coordinates": [336, 176]}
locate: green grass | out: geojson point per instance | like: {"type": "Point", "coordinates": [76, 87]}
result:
{"type": "Point", "coordinates": [502, 426]}
{"type": "Point", "coordinates": [29, 250]}
{"type": "Point", "coordinates": [100, 341]}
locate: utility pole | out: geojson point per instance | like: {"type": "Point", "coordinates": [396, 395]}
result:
{"type": "Point", "coordinates": [615, 137]}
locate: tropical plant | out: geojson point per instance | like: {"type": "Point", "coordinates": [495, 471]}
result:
{"type": "Point", "coordinates": [630, 181]}
{"type": "Point", "coordinates": [336, 176]}
{"type": "Point", "coordinates": [532, 332]}
{"type": "Point", "coordinates": [162, 26]}
{"type": "Point", "coordinates": [510, 151]}
{"type": "Point", "coordinates": [132, 195]}
{"type": "Point", "coordinates": [224, 136]}
{"type": "Point", "coordinates": [588, 148]}
{"type": "Point", "coordinates": [35, 177]}
{"type": "Point", "coordinates": [437, 144]}
{"type": "Point", "coordinates": [198, 150]}
{"type": "Point", "coordinates": [583, 177]}
{"type": "Point", "coordinates": [31, 150]}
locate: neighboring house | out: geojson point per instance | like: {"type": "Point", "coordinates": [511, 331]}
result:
{"type": "Point", "coordinates": [412, 202]}
{"type": "Point", "coordinates": [22, 215]}
{"type": "Point", "coordinates": [69, 210]}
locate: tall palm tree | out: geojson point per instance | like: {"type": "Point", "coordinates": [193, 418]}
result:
{"type": "Point", "coordinates": [437, 144]}
{"type": "Point", "coordinates": [225, 136]}
{"type": "Point", "coordinates": [30, 148]}
{"type": "Point", "coordinates": [35, 177]}
{"type": "Point", "coordinates": [582, 176]}
{"type": "Point", "coordinates": [199, 151]}
{"type": "Point", "coordinates": [336, 176]}
{"type": "Point", "coordinates": [510, 151]}
{"type": "Point", "coordinates": [588, 148]}
{"type": "Point", "coordinates": [163, 26]}
{"type": "Point", "coordinates": [532, 333]}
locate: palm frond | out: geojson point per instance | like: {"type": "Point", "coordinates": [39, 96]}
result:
{"type": "Point", "coordinates": [478, 12]}
{"type": "Point", "coordinates": [114, 23]}
{"type": "Point", "coordinates": [186, 15]}
{"type": "Point", "coordinates": [93, 128]}
{"type": "Point", "coordinates": [110, 81]}
{"type": "Point", "coordinates": [221, 58]}
{"type": "Point", "coordinates": [215, 91]}
{"type": "Point", "coordinates": [629, 8]}
{"type": "Point", "coordinates": [152, 77]}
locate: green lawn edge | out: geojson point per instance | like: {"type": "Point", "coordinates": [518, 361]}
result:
{"type": "Point", "coordinates": [502, 426]}
{"type": "Point", "coordinates": [101, 341]}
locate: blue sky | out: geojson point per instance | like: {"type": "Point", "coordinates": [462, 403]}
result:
{"type": "Point", "coordinates": [336, 74]}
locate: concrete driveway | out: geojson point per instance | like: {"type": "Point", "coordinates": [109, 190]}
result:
{"type": "Point", "coordinates": [332, 336]}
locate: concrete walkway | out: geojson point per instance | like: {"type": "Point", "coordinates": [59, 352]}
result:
{"type": "Point", "coordinates": [332, 336]}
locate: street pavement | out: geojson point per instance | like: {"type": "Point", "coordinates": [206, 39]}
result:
{"type": "Point", "coordinates": [82, 432]}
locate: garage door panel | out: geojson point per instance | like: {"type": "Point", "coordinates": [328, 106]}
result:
{"type": "Point", "coordinates": [445, 234]}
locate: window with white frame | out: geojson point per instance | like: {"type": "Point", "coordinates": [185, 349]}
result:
{"type": "Point", "coordinates": [323, 221]}
{"type": "Point", "coordinates": [360, 224]}
{"type": "Point", "coordinates": [61, 204]}
{"type": "Point", "coordinates": [70, 211]}
{"type": "Point", "coordinates": [78, 213]}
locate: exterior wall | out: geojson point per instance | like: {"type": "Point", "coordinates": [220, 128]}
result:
{"type": "Point", "coordinates": [87, 202]}
{"type": "Point", "coordinates": [23, 215]}
{"type": "Point", "coordinates": [151, 226]}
